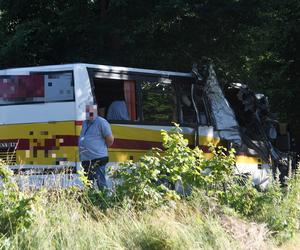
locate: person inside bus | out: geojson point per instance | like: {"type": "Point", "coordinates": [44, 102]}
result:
{"type": "Point", "coordinates": [95, 138]}
{"type": "Point", "coordinates": [117, 110]}
{"type": "Point", "coordinates": [112, 103]}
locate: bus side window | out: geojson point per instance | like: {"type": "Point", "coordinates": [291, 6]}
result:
{"type": "Point", "coordinates": [116, 99]}
{"type": "Point", "coordinates": [59, 87]}
{"type": "Point", "coordinates": [38, 87]}
{"type": "Point", "coordinates": [21, 89]}
{"type": "Point", "coordinates": [158, 102]}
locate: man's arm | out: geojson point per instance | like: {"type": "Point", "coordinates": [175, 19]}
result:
{"type": "Point", "coordinates": [107, 133]}
{"type": "Point", "coordinates": [109, 140]}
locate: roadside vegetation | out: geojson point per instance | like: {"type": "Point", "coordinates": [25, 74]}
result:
{"type": "Point", "coordinates": [212, 208]}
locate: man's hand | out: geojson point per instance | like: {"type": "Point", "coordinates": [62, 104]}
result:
{"type": "Point", "coordinates": [109, 140]}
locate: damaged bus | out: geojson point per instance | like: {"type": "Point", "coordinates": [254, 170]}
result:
{"type": "Point", "coordinates": [42, 110]}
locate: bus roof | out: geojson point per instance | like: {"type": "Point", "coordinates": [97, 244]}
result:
{"type": "Point", "coordinates": [101, 68]}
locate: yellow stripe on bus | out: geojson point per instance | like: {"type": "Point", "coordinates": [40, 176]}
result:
{"type": "Point", "coordinates": [40, 130]}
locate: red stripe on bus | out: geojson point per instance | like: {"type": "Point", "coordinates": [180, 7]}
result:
{"type": "Point", "coordinates": [78, 123]}
{"type": "Point", "coordinates": [145, 145]}
{"type": "Point", "coordinates": [204, 148]}
{"type": "Point", "coordinates": [135, 144]}
{"type": "Point", "coordinates": [23, 144]}
{"type": "Point", "coordinates": [72, 141]}
{"type": "Point", "coordinates": [50, 143]}
{"type": "Point", "coordinates": [68, 140]}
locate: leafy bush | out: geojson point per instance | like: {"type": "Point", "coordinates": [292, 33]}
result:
{"type": "Point", "coordinates": [15, 206]}
{"type": "Point", "coordinates": [278, 207]}
{"type": "Point", "coordinates": [152, 180]}
{"type": "Point", "coordinates": [241, 196]}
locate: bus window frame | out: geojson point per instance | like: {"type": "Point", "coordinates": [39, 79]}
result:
{"type": "Point", "coordinates": [138, 78]}
{"type": "Point", "coordinates": [43, 73]}
{"type": "Point", "coordinates": [203, 100]}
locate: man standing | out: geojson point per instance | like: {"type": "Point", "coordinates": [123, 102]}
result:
{"type": "Point", "coordinates": [95, 138]}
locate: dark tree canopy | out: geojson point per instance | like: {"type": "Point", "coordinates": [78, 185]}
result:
{"type": "Point", "coordinates": [251, 41]}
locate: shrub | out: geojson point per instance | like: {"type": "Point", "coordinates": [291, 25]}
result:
{"type": "Point", "coordinates": [152, 180]}
{"type": "Point", "coordinates": [16, 207]}
{"type": "Point", "coordinates": [278, 207]}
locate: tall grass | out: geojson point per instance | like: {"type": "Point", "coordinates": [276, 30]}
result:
{"type": "Point", "coordinates": [63, 222]}
{"type": "Point", "coordinates": [146, 213]}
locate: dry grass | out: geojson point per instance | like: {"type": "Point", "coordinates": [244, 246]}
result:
{"type": "Point", "coordinates": [249, 235]}
{"type": "Point", "coordinates": [292, 244]}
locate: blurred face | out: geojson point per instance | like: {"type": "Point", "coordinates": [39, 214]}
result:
{"type": "Point", "coordinates": [91, 112]}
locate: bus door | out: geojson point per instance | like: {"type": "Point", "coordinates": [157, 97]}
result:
{"type": "Point", "coordinates": [194, 113]}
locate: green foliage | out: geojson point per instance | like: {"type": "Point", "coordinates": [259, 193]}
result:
{"type": "Point", "coordinates": [153, 178]}
{"type": "Point", "coordinates": [145, 211]}
{"type": "Point", "coordinates": [63, 223]}
{"type": "Point", "coordinates": [158, 97]}
{"type": "Point", "coordinates": [242, 197]}
{"type": "Point", "coordinates": [280, 209]}
{"type": "Point", "coordinates": [16, 207]}
{"type": "Point", "coordinates": [5, 173]}
{"type": "Point", "coordinates": [255, 42]}
{"type": "Point", "coordinates": [151, 182]}
{"type": "Point", "coordinates": [276, 206]}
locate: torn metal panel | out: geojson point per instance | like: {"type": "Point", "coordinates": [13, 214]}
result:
{"type": "Point", "coordinates": [259, 129]}
{"type": "Point", "coordinates": [222, 114]}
